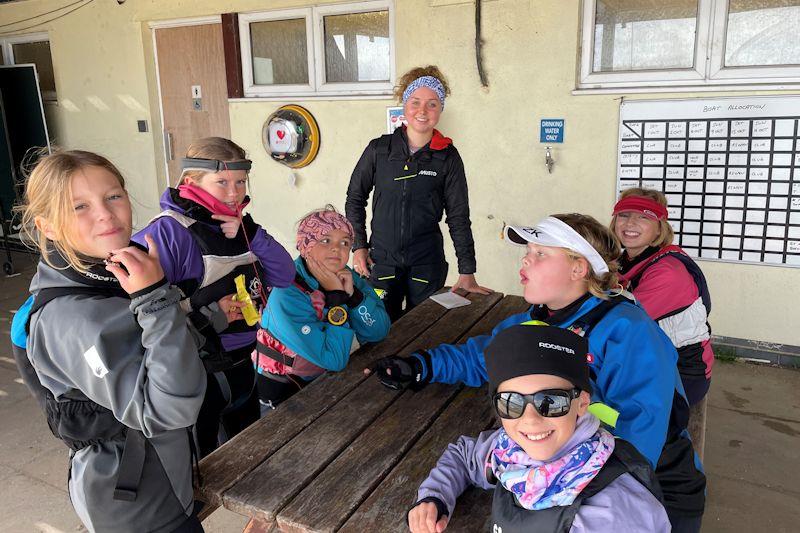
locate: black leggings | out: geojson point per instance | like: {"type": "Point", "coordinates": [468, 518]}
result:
{"type": "Point", "coordinates": [272, 392]}
{"type": "Point", "coordinates": [412, 284]}
{"type": "Point", "coordinates": [230, 404]}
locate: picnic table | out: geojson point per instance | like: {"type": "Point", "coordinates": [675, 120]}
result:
{"type": "Point", "coordinates": [346, 454]}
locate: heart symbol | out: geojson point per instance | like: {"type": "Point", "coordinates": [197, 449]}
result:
{"type": "Point", "coordinates": [281, 134]}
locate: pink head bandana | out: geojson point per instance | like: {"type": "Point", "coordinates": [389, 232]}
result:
{"type": "Point", "coordinates": [316, 225]}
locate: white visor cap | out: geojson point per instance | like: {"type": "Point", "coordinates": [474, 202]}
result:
{"type": "Point", "coordinates": [553, 232]}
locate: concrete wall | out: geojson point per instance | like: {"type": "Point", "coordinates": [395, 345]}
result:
{"type": "Point", "coordinates": [104, 68]}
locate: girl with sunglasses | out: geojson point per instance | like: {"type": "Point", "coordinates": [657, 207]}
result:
{"type": "Point", "coordinates": [206, 243]}
{"type": "Point", "coordinates": [552, 466]}
{"type": "Point", "coordinates": [569, 276]}
{"type": "Point", "coordinates": [667, 283]}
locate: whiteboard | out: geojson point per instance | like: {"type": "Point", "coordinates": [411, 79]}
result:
{"type": "Point", "coordinates": [730, 168]}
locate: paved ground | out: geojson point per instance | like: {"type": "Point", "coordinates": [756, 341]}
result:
{"type": "Point", "coordinates": [752, 447]}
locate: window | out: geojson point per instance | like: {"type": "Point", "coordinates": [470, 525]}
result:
{"type": "Point", "coordinates": [33, 48]}
{"type": "Point", "coordinates": [641, 43]}
{"type": "Point", "coordinates": [341, 49]}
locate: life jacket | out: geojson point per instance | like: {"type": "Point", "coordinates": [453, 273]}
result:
{"type": "Point", "coordinates": [271, 356]}
{"type": "Point", "coordinates": [408, 202]}
{"type": "Point", "coordinates": [509, 517]}
{"type": "Point", "coordinates": [223, 260]}
{"type": "Point", "coordinates": [676, 470]}
{"type": "Point", "coordinates": [75, 419]}
{"type": "Point", "coordinates": [687, 327]}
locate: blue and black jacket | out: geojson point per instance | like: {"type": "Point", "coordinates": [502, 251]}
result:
{"type": "Point", "coordinates": [634, 376]}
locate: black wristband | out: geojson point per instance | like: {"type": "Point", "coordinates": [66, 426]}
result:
{"type": "Point", "coordinates": [334, 298]}
{"type": "Point", "coordinates": [355, 299]}
{"type": "Point", "coordinates": [148, 289]}
{"type": "Point", "coordinates": [249, 226]}
{"type": "Point", "coordinates": [441, 508]}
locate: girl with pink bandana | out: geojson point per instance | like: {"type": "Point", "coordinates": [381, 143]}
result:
{"type": "Point", "coordinates": [314, 324]}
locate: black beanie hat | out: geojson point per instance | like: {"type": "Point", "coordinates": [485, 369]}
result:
{"type": "Point", "coordinates": [533, 349]}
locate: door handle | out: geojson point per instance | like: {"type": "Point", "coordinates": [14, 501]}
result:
{"type": "Point", "coordinates": [168, 146]}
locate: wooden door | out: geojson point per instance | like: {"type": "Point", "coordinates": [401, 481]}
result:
{"type": "Point", "coordinates": [191, 56]}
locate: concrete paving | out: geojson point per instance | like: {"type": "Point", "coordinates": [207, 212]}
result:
{"type": "Point", "coordinates": [752, 454]}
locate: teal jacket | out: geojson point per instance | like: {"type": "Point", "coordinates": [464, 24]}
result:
{"type": "Point", "coordinates": [291, 318]}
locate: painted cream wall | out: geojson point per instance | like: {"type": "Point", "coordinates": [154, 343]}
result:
{"type": "Point", "coordinates": [530, 53]}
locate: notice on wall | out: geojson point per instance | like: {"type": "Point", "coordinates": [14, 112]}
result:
{"type": "Point", "coordinates": [551, 130]}
{"type": "Point", "coordinates": [730, 168]}
{"type": "Point", "coordinates": [394, 118]}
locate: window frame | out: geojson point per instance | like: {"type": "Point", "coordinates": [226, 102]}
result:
{"type": "Point", "coordinates": [7, 50]}
{"type": "Point", "coordinates": [709, 57]}
{"type": "Point", "coordinates": [317, 85]}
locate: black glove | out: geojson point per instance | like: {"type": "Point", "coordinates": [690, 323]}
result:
{"type": "Point", "coordinates": [400, 373]}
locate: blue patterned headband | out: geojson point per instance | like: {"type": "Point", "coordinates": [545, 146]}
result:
{"type": "Point", "coordinates": [425, 81]}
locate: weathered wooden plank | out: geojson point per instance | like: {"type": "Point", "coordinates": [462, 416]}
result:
{"type": "Point", "coordinates": [386, 508]}
{"type": "Point", "coordinates": [364, 463]}
{"type": "Point", "coordinates": [469, 414]}
{"type": "Point", "coordinates": [236, 458]}
{"type": "Point", "coordinates": [473, 512]}
{"type": "Point", "coordinates": [271, 485]}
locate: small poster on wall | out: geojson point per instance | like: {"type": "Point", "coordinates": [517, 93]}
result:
{"type": "Point", "coordinates": [394, 118]}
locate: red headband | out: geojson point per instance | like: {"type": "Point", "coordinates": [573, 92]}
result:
{"type": "Point", "coordinates": [640, 204]}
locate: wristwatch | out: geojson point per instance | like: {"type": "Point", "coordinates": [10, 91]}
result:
{"type": "Point", "coordinates": [337, 315]}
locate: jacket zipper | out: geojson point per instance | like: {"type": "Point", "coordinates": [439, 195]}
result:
{"type": "Point", "coordinates": [403, 219]}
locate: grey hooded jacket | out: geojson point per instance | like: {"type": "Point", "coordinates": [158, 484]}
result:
{"type": "Point", "coordinates": [138, 359]}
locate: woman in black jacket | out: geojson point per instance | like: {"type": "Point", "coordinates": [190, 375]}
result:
{"type": "Point", "coordinates": [417, 175]}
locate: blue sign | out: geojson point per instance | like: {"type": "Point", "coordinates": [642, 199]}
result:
{"type": "Point", "coordinates": [552, 130]}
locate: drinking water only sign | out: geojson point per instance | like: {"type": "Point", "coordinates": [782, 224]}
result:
{"type": "Point", "coordinates": [552, 130]}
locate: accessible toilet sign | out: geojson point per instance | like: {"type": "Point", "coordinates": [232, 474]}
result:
{"type": "Point", "coordinates": [552, 130]}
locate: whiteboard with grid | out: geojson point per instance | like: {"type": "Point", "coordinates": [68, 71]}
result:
{"type": "Point", "coordinates": [730, 168]}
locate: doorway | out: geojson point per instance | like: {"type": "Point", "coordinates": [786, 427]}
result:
{"type": "Point", "coordinates": [190, 62]}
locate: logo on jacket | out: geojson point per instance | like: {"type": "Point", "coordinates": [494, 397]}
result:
{"type": "Point", "coordinates": [305, 330]}
{"type": "Point", "coordinates": [92, 357]}
{"type": "Point", "coordinates": [427, 173]}
{"type": "Point", "coordinates": [255, 288]}
{"type": "Point", "coordinates": [365, 316]}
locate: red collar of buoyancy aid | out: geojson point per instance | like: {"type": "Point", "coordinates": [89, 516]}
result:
{"type": "Point", "coordinates": [437, 142]}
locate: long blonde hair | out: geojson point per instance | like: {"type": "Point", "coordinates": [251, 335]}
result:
{"type": "Point", "coordinates": [48, 197]}
{"type": "Point", "coordinates": [665, 231]}
{"type": "Point", "coordinates": [604, 242]}
{"type": "Point", "coordinates": [218, 148]}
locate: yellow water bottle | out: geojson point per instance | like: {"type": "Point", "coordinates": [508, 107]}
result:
{"type": "Point", "coordinates": [249, 311]}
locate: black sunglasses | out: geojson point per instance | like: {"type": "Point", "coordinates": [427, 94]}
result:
{"type": "Point", "coordinates": [550, 403]}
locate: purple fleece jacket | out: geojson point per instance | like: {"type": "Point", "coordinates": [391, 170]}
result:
{"type": "Point", "coordinates": [181, 259]}
{"type": "Point", "coordinates": [624, 505]}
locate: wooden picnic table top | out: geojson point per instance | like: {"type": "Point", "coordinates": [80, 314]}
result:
{"type": "Point", "coordinates": [347, 454]}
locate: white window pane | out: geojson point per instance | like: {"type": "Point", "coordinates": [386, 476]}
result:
{"type": "Point", "coordinates": [357, 47]}
{"type": "Point", "coordinates": [37, 53]}
{"type": "Point", "coordinates": [637, 35]}
{"type": "Point", "coordinates": [280, 52]}
{"type": "Point", "coordinates": [763, 32]}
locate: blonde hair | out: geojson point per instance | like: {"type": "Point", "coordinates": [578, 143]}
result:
{"type": "Point", "coordinates": [604, 242]}
{"type": "Point", "coordinates": [48, 196]}
{"type": "Point", "coordinates": [665, 231]}
{"type": "Point", "coordinates": [413, 74]}
{"type": "Point", "coordinates": [218, 148]}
